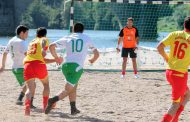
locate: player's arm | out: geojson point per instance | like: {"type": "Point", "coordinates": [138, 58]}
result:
{"type": "Point", "coordinates": [137, 36]}
{"type": "Point", "coordinates": [49, 60]}
{"type": "Point", "coordinates": [44, 47]}
{"type": "Point", "coordinates": [162, 52]}
{"type": "Point", "coordinates": [96, 55]}
{"type": "Point", "coordinates": [165, 43]}
{"type": "Point", "coordinates": [53, 52]}
{"type": "Point", "coordinates": [4, 58]}
{"type": "Point", "coordinates": [120, 39]}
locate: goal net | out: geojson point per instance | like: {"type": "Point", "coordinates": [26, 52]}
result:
{"type": "Point", "coordinates": [103, 19]}
{"type": "Point", "coordinates": [154, 20]}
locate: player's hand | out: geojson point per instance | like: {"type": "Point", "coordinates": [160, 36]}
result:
{"type": "Point", "coordinates": [59, 60]}
{"type": "Point", "coordinates": [135, 49]}
{"type": "Point", "coordinates": [91, 61]}
{"type": "Point", "coordinates": [44, 53]}
{"type": "Point", "coordinates": [118, 50]}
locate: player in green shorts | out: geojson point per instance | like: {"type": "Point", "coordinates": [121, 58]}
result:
{"type": "Point", "coordinates": [17, 47]}
{"type": "Point", "coordinates": [19, 75]}
{"type": "Point", "coordinates": [76, 45]}
{"type": "Point", "coordinates": [72, 72]}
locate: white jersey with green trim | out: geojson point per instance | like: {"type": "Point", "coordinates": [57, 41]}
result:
{"type": "Point", "coordinates": [17, 48]}
{"type": "Point", "coordinates": [76, 45]}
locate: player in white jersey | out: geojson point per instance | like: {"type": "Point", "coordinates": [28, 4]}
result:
{"type": "Point", "coordinates": [76, 45]}
{"type": "Point", "coordinates": [17, 47]}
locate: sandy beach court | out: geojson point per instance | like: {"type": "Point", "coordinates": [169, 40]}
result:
{"type": "Point", "coordinates": [102, 97]}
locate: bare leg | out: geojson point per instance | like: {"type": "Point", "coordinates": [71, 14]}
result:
{"type": "Point", "coordinates": [21, 95]}
{"type": "Point", "coordinates": [134, 65]}
{"type": "Point", "coordinates": [46, 91]}
{"type": "Point", "coordinates": [68, 90]}
{"type": "Point", "coordinates": [72, 99]}
{"type": "Point", "coordinates": [24, 88]}
{"type": "Point", "coordinates": [182, 105]}
{"type": "Point", "coordinates": [31, 105]}
{"type": "Point", "coordinates": [124, 64]}
{"type": "Point", "coordinates": [30, 89]}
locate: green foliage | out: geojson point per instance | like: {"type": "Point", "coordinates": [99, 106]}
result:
{"type": "Point", "coordinates": [175, 21]}
{"type": "Point", "coordinates": [45, 13]}
{"type": "Point", "coordinates": [149, 19]}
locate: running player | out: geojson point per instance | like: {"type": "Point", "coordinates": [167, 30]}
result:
{"type": "Point", "coordinates": [130, 37]}
{"type": "Point", "coordinates": [178, 61]}
{"type": "Point", "coordinates": [17, 47]}
{"type": "Point", "coordinates": [76, 46]}
{"type": "Point", "coordinates": [35, 67]}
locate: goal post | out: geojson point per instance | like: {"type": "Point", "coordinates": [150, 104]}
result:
{"type": "Point", "coordinates": [153, 18]}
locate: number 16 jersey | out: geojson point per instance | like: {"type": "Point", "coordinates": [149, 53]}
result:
{"type": "Point", "coordinates": [76, 45]}
{"type": "Point", "coordinates": [179, 55]}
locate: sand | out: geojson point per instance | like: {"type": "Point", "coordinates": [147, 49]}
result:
{"type": "Point", "coordinates": [102, 97]}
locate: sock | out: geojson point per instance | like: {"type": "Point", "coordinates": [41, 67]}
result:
{"type": "Point", "coordinates": [21, 96]}
{"type": "Point", "coordinates": [167, 118]}
{"type": "Point", "coordinates": [73, 105]}
{"type": "Point", "coordinates": [135, 72]}
{"type": "Point", "coordinates": [45, 101]}
{"type": "Point", "coordinates": [175, 119]}
{"type": "Point", "coordinates": [123, 72]}
{"type": "Point", "coordinates": [55, 99]}
{"type": "Point", "coordinates": [27, 107]}
{"type": "Point", "coordinates": [27, 103]}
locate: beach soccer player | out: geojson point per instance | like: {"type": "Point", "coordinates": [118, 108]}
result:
{"type": "Point", "coordinates": [17, 47]}
{"type": "Point", "coordinates": [76, 45]}
{"type": "Point", "coordinates": [130, 38]}
{"type": "Point", "coordinates": [35, 67]}
{"type": "Point", "coordinates": [178, 61]}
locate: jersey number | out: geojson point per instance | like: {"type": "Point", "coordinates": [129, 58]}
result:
{"type": "Point", "coordinates": [32, 49]}
{"type": "Point", "coordinates": [179, 50]}
{"type": "Point", "coordinates": [77, 45]}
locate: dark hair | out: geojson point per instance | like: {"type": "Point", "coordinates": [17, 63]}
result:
{"type": "Point", "coordinates": [130, 18]}
{"type": "Point", "coordinates": [78, 27]}
{"type": "Point", "coordinates": [41, 32]}
{"type": "Point", "coordinates": [187, 23]}
{"type": "Point", "coordinates": [21, 28]}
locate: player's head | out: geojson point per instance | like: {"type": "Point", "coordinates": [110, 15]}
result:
{"type": "Point", "coordinates": [78, 28]}
{"type": "Point", "coordinates": [187, 23]}
{"type": "Point", "coordinates": [22, 31]}
{"type": "Point", "coordinates": [130, 22]}
{"type": "Point", "coordinates": [41, 32]}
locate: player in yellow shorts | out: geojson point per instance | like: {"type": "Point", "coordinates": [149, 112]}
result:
{"type": "Point", "coordinates": [76, 46]}
{"type": "Point", "coordinates": [35, 67]}
{"type": "Point", "coordinates": [178, 61]}
{"type": "Point", "coordinates": [17, 47]}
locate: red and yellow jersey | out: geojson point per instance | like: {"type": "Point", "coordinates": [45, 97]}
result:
{"type": "Point", "coordinates": [179, 55]}
{"type": "Point", "coordinates": [34, 52]}
{"type": "Point", "coordinates": [129, 37]}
